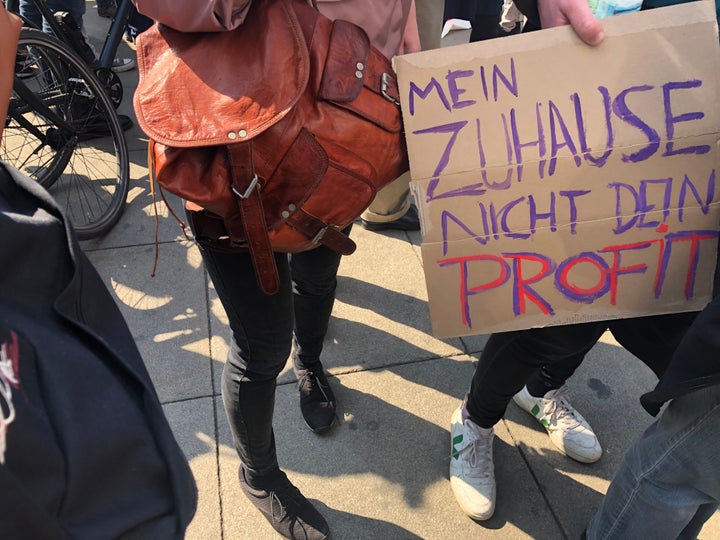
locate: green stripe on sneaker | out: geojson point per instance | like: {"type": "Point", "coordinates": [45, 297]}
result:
{"type": "Point", "coordinates": [456, 440]}
{"type": "Point", "coordinates": [536, 413]}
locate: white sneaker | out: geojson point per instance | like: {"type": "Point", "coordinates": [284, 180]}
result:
{"type": "Point", "coordinates": [123, 64]}
{"type": "Point", "coordinates": [472, 477]}
{"type": "Point", "coordinates": [568, 430]}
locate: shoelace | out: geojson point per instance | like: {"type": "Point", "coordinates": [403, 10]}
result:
{"type": "Point", "coordinates": [288, 499]}
{"type": "Point", "coordinates": [312, 383]}
{"type": "Point", "coordinates": [282, 499]}
{"type": "Point", "coordinates": [559, 411]}
{"type": "Point", "coordinates": [477, 454]}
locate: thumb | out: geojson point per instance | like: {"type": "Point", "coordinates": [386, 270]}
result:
{"type": "Point", "coordinates": [587, 27]}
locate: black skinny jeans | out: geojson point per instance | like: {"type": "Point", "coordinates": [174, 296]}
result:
{"type": "Point", "coordinates": [263, 328]}
{"type": "Point", "coordinates": [510, 359]}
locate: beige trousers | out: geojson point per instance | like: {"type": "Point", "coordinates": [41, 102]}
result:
{"type": "Point", "coordinates": [393, 200]}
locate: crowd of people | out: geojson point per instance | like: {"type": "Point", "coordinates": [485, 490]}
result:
{"type": "Point", "coordinates": [667, 486]}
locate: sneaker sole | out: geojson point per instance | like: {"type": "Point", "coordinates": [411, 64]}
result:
{"type": "Point", "coordinates": [472, 515]}
{"type": "Point", "coordinates": [577, 457]}
{"type": "Point", "coordinates": [320, 430]}
{"type": "Point", "coordinates": [123, 69]}
{"type": "Point", "coordinates": [378, 226]}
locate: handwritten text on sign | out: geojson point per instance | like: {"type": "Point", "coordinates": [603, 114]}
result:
{"type": "Point", "coordinates": [560, 183]}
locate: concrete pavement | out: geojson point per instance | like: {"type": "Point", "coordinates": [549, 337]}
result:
{"type": "Point", "coordinates": [382, 473]}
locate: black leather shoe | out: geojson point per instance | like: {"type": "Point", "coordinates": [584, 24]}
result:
{"type": "Point", "coordinates": [317, 401]}
{"type": "Point", "coordinates": [408, 222]}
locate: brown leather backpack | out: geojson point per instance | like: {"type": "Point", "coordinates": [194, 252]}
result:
{"type": "Point", "coordinates": [281, 131]}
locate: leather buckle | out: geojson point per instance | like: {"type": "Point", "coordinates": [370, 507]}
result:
{"type": "Point", "coordinates": [321, 233]}
{"type": "Point", "coordinates": [249, 190]}
{"type": "Point", "coordinates": [386, 82]}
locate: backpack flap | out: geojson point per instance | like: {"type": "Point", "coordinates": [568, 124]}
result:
{"type": "Point", "coordinates": [359, 79]}
{"type": "Point", "coordinates": [190, 94]}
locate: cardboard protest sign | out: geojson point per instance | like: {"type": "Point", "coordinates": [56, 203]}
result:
{"type": "Point", "coordinates": [561, 183]}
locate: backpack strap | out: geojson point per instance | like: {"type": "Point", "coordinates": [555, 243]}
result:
{"type": "Point", "coordinates": [321, 233]}
{"type": "Point", "coordinates": [246, 187]}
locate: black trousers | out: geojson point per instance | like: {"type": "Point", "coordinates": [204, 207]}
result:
{"type": "Point", "coordinates": [511, 359]}
{"type": "Point", "coordinates": [264, 329]}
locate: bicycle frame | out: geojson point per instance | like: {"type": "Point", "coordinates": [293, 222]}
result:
{"type": "Point", "coordinates": [39, 106]}
{"type": "Point", "coordinates": [114, 35]}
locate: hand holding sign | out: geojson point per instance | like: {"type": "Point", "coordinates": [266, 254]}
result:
{"type": "Point", "coordinates": [560, 183]}
{"type": "Point", "coordinates": [576, 13]}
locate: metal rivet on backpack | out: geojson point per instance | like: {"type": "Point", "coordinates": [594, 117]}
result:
{"type": "Point", "coordinates": [292, 207]}
{"type": "Point", "coordinates": [242, 133]}
{"type": "Point", "coordinates": [359, 74]}
{"type": "Point", "coordinates": [360, 66]}
{"type": "Point", "coordinates": [285, 214]}
{"type": "Point", "coordinates": [232, 135]}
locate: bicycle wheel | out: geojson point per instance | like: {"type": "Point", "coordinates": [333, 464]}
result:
{"type": "Point", "coordinates": [62, 130]}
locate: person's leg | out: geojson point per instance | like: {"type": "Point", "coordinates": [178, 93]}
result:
{"type": "Point", "coordinates": [314, 278]}
{"type": "Point", "coordinates": [461, 9]}
{"type": "Point", "coordinates": [669, 480]}
{"type": "Point", "coordinates": [486, 22]}
{"type": "Point", "coordinates": [29, 10]}
{"type": "Point", "coordinates": [695, 525]}
{"type": "Point", "coordinates": [391, 208]}
{"type": "Point", "coordinates": [554, 376]}
{"type": "Point", "coordinates": [430, 22]}
{"type": "Point", "coordinates": [82, 44]}
{"type": "Point", "coordinates": [511, 358]}
{"type": "Point", "coordinates": [137, 24]}
{"type": "Point", "coordinates": [546, 398]}
{"type": "Point", "coordinates": [76, 8]}
{"type": "Point", "coordinates": [653, 339]}
{"type": "Point", "coordinates": [262, 328]}
{"type": "Point", "coordinates": [508, 360]}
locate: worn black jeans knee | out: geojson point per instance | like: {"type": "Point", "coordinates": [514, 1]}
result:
{"type": "Point", "coordinates": [263, 327]}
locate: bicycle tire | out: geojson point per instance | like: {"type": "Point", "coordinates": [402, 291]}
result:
{"type": "Point", "coordinates": [66, 134]}
{"type": "Point", "coordinates": [44, 165]}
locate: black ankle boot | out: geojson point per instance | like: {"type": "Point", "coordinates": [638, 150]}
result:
{"type": "Point", "coordinates": [317, 401]}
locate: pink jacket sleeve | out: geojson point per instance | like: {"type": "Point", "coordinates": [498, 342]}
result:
{"type": "Point", "coordinates": [383, 20]}
{"type": "Point", "coordinates": [195, 16]}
